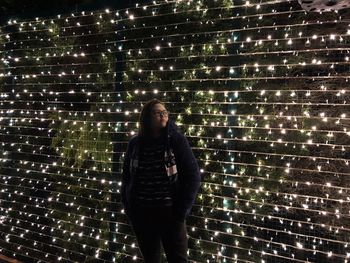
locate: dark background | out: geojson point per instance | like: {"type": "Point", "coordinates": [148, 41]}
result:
{"type": "Point", "coordinates": [27, 9]}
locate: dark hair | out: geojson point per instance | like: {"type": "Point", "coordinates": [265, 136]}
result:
{"type": "Point", "coordinates": [145, 117]}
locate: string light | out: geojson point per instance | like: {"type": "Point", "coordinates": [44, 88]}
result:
{"type": "Point", "coordinates": [259, 88]}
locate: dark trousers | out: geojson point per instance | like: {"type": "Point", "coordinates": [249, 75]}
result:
{"type": "Point", "coordinates": [155, 227]}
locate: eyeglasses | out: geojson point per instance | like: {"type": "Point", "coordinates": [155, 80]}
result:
{"type": "Point", "coordinates": [161, 113]}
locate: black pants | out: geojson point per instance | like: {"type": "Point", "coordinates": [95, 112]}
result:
{"type": "Point", "coordinates": [156, 226]}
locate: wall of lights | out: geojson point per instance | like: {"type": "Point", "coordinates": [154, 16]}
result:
{"type": "Point", "coordinates": [260, 88]}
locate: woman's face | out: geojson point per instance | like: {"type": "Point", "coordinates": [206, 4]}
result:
{"type": "Point", "coordinates": [159, 116]}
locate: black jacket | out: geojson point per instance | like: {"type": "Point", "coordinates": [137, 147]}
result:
{"type": "Point", "coordinates": [185, 183]}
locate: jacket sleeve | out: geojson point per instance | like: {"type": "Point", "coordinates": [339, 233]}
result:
{"type": "Point", "coordinates": [189, 179]}
{"type": "Point", "coordinates": [126, 176]}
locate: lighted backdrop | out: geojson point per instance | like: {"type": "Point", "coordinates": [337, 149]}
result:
{"type": "Point", "coordinates": [260, 88]}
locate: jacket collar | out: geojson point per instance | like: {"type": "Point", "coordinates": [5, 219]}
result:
{"type": "Point", "coordinates": [171, 128]}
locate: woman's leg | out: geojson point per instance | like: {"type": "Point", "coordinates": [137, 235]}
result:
{"type": "Point", "coordinates": [174, 239]}
{"type": "Point", "coordinates": [147, 235]}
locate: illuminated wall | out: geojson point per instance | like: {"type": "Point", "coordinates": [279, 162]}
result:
{"type": "Point", "coordinates": [261, 89]}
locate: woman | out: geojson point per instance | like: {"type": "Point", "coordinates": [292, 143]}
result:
{"type": "Point", "coordinates": [160, 181]}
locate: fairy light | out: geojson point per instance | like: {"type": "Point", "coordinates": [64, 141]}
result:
{"type": "Point", "coordinates": [263, 103]}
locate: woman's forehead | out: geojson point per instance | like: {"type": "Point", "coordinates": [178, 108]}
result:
{"type": "Point", "coordinates": [158, 106]}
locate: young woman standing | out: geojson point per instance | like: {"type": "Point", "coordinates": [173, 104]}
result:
{"type": "Point", "coordinates": [160, 182]}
